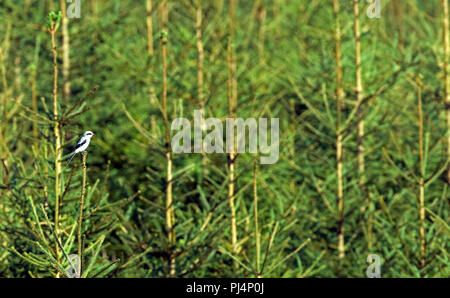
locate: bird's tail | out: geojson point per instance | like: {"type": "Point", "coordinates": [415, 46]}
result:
{"type": "Point", "coordinates": [70, 159]}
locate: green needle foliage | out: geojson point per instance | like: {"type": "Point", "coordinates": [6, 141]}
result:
{"type": "Point", "coordinates": [133, 208]}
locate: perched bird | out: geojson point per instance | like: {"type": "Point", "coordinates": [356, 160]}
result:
{"type": "Point", "coordinates": [82, 144]}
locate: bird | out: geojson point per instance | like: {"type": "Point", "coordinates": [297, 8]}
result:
{"type": "Point", "coordinates": [82, 144]}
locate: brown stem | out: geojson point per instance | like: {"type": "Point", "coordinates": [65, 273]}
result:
{"type": "Point", "coordinates": [232, 90]}
{"type": "Point", "coordinates": [201, 101]}
{"type": "Point", "coordinates": [359, 93]}
{"type": "Point", "coordinates": [421, 179]}
{"type": "Point", "coordinates": [80, 218]}
{"type": "Point", "coordinates": [447, 81]}
{"type": "Point", "coordinates": [150, 50]}
{"type": "Point", "coordinates": [148, 8]}
{"type": "Point", "coordinates": [198, 29]}
{"type": "Point", "coordinates": [57, 132]}
{"type": "Point", "coordinates": [257, 235]}
{"type": "Point", "coordinates": [370, 223]}
{"type": "Point", "coordinates": [261, 16]}
{"type": "Point", "coordinates": [65, 50]}
{"type": "Point", "coordinates": [34, 91]}
{"type": "Point", "coordinates": [170, 216]}
{"type": "Point", "coordinates": [339, 150]}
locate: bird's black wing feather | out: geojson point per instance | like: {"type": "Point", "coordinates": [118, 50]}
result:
{"type": "Point", "coordinates": [80, 144]}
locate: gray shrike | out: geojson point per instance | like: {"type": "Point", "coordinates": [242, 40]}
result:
{"type": "Point", "coordinates": [82, 144]}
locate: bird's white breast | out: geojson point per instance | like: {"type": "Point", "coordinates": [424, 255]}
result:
{"type": "Point", "coordinates": [84, 146]}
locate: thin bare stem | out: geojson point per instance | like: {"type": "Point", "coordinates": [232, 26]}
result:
{"type": "Point", "coordinates": [201, 100]}
{"type": "Point", "coordinates": [65, 50]}
{"type": "Point", "coordinates": [339, 150]}
{"type": "Point", "coordinates": [170, 216]}
{"type": "Point", "coordinates": [150, 51]}
{"type": "Point", "coordinates": [370, 223]}
{"type": "Point", "coordinates": [199, 43]}
{"type": "Point", "coordinates": [231, 110]}
{"type": "Point", "coordinates": [34, 88]}
{"type": "Point", "coordinates": [80, 218]}
{"type": "Point", "coordinates": [261, 16]}
{"type": "Point", "coordinates": [57, 131]}
{"type": "Point", "coordinates": [359, 93]}
{"type": "Point", "coordinates": [447, 81]}
{"type": "Point", "coordinates": [421, 179]}
{"type": "Point", "coordinates": [257, 235]}
{"type": "Point", "coordinates": [148, 9]}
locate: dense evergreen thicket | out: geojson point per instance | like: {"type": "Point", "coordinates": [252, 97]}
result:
{"type": "Point", "coordinates": [363, 153]}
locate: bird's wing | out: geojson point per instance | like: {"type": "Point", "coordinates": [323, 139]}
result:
{"type": "Point", "coordinates": [80, 143]}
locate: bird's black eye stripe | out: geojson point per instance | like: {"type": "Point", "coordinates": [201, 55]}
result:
{"type": "Point", "coordinates": [89, 134]}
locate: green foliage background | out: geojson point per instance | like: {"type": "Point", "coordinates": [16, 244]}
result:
{"type": "Point", "coordinates": [285, 59]}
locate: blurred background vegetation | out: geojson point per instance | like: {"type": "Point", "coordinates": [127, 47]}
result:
{"type": "Point", "coordinates": [126, 68]}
